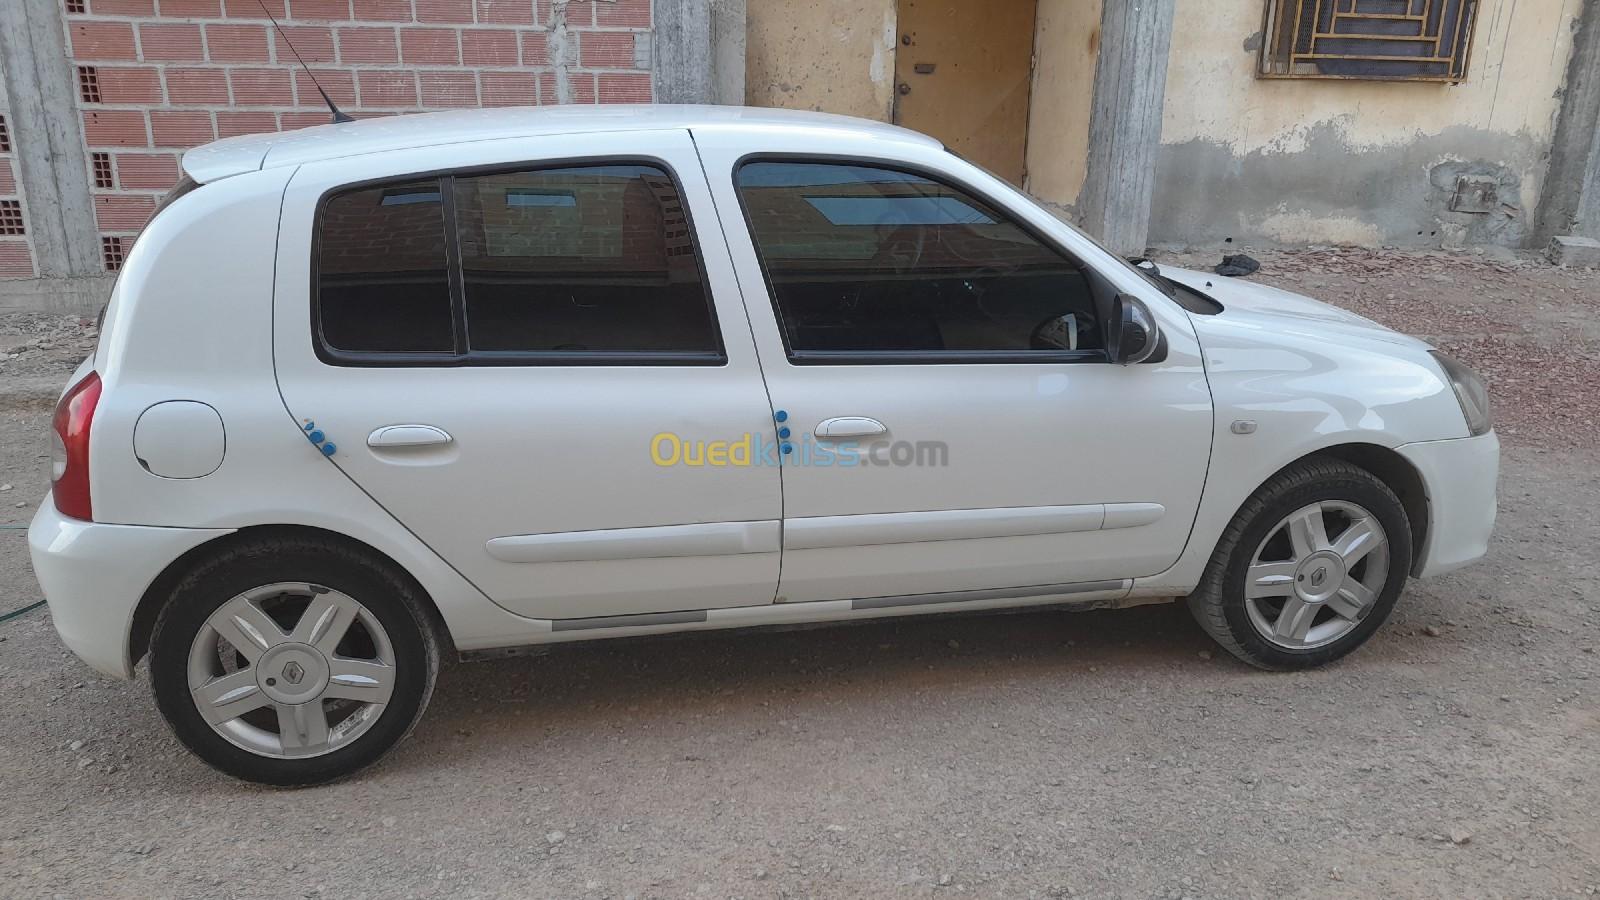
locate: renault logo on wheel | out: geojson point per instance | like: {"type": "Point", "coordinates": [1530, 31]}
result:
{"type": "Point", "coordinates": [294, 672]}
{"type": "Point", "coordinates": [1317, 578]}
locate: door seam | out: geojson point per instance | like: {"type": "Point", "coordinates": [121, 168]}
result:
{"type": "Point", "coordinates": [755, 346]}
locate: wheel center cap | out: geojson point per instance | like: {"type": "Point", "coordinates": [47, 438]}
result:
{"type": "Point", "coordinates": [292, 673]}
{"type": "Point", "coordinates": [1319, 577]}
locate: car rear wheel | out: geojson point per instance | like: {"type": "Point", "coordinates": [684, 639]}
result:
{"type": "Point", "coordinates": [1308, 569]}
{"type": "Point", "coordinates": [288, 662]}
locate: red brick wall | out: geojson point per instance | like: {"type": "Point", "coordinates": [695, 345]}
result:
{"type": "Point", "coordinates": [159, 76]}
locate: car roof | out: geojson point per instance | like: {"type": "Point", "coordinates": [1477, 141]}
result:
{"type": "Point", "coordinates": [247, 153]}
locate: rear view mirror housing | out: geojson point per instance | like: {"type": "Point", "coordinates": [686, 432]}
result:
{"type": "Point", "coordinates": [1132, 336]}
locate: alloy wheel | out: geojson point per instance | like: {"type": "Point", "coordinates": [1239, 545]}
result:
{"type": "Point", "coordinates": [291, 670]}
{"type": "Point", "coordinates": [1316, 575]}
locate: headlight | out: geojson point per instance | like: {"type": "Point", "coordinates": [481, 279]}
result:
{"type": "Point", "coordinates": [1470, 390]}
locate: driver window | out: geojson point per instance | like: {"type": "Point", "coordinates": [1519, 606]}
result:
{"type": "Point", "coordinates": [861, 259]}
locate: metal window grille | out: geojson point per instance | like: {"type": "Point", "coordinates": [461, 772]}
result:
{"type": "Point", "coordinates": [5, 136]}
{"type": "Point", "coordinates": [111, 248]}
{"type": "Point", "coordinates": [89, 84]}
{"type": "Point", "coordinates": [11, 217]}
{"type": "Point", "coordinates": [1382, 40]}
{"type": "Point", "coordinates": [76, 6]}
{"type": "Point", "coordinates": [101, 163]}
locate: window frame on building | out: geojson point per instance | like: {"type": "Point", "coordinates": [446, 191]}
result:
{"type": "Point", "coordinates": [1288, 51]}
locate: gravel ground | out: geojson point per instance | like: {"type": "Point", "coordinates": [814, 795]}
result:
{"type": "Point", "coordinates": [1031, 755]}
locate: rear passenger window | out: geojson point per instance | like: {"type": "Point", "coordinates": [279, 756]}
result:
{"type": "Point", "coordinates": [589, 264]}
{"type": "Point", "coordinates": [594, 259]}
{"type": "Point", "coordinates": [383, 279]}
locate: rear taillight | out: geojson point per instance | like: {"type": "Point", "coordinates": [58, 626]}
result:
{"type": "Point", "coordinates": [69, 448]}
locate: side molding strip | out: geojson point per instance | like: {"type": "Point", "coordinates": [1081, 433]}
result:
{"type": "Point", "coordinates": [670, 618]}
{"type": "Point", "coordinates": [707, 539]}
{"type": "Point", "coordinates": [1132, 515]}
{"type": "Point", "coordinates": [823, 532]}
{"type": "Point", "coordinates": [1038, 590]}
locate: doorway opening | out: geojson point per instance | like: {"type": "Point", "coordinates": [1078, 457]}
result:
{"type": "Point", "coordinates": [964, 74]}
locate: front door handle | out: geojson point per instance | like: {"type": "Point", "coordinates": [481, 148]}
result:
{"type": "Point", "coordinates": [850, 427]}
{"type": "Point", "coordinates": [392, 436]}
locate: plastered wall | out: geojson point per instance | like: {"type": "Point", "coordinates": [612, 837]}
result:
{"type": "Point", "coordinates": [1265, 161]}
{"type": "Point", "coordinates": [1349, 162]}
{"type": "Point", "coordinates": [830, 55]}
{"type": "Point", "coordinates": [1066, 46]}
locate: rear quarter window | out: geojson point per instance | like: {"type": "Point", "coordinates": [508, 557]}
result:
{"type": "Point", "coordinates": [383, 272]}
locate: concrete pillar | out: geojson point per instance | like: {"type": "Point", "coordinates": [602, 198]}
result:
{"type": "Point", "coordinates": [1130, 84]}
{"type": "Point", "coordinates": [47, 136]}
{"type": "Point", "coordinates": [728, 29]}
{"type": "Point", "coordinates": [1569, 203]}
{"type": "Point", "coordinates": [698, 53]}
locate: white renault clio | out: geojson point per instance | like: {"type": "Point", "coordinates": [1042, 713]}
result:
{"type": "Point", "coordinates": [494, 379]}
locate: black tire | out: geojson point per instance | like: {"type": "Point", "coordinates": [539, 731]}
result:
{"type": "Point", "coordinates": [391, 597]}
{"type": "Point", "coordinates": [1218, 603]}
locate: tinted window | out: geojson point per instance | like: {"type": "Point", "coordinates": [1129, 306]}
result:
{"type": "Point", "coordinates": [382, 270]}
{"type": "Point", "coordinates": [868, 259]}
{"type": "Point", "coordinates": [597, 259]}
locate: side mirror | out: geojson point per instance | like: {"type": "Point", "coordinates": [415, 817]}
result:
{"type": "Point", "coordinates": [1133, 336]}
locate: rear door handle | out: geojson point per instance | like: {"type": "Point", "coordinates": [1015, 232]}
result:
{"type": "Point", "coordinates": [392, 436]}
{"type": "Point", "coordinates": [849, 427]}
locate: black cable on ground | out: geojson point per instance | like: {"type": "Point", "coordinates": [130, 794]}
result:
{"type": "Point", "coordinates": [17, 612]}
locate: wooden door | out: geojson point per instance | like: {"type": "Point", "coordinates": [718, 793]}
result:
{"type": "Point", "coordinates": [963, 71]}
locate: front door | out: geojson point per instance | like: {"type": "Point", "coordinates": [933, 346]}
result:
{"type": "Point", "coordinates": [952, 421]}
{"type": "Point", "coordinates": [528, 358]}
{"type": "Point", "coordinates": [963, 72]}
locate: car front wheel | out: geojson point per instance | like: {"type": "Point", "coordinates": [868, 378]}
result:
{"type": "Point", "coordinates": [1308, 569]}
{"type": "Point", "coordinates": [290, 662]}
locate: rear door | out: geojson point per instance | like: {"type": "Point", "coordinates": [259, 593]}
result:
{"type": "Point", "coordinates": [534, 355]}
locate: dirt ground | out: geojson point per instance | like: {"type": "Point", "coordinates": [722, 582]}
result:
{"type": "Point", "coordinates": [1108, 754]}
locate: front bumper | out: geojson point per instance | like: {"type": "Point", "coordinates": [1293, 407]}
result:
{"type": "Point", "coordinates": [94, 574]}
{"type": "Point", "coordinates": [1460, 477]}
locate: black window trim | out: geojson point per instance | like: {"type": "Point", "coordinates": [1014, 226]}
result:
{"type": "Point", "coordinates": [463, 355]}
{"type": "Point", "coordinates": [914, 357]}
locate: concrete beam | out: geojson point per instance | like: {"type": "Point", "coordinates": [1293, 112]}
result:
{"type": "Point", "coordinates": [47, 134]}
{"type": "Point", "coordinates": [698, 52]}
{"type": "Point", "coordinates": [1570, 200]}
{"type": "Point", "coordinates": [79, 296]}
{"type": "Point", "coordinates": [1130, 85]}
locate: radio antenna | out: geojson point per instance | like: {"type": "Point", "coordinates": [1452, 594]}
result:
{"type": "Point", "coordinates": [338, 116]}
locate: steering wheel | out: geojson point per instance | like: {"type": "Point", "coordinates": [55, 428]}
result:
{"type": "Point", "coordinates": [1063, 332]}
{"type": "Point", "coordinates": [902, 251]}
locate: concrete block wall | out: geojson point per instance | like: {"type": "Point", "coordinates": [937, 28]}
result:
{"type": "Point", "coordinates": [156, 77]}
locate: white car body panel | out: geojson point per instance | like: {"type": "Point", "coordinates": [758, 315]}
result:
{"type": "Point", "coordinates": [1017, 434]}
{"type": "Point", "coordinates": [153, 351]}
{"type": "Point", "coordinates": [1310, 378]}
{"type": "Point", "coordinates": [556, 451]}
{"type": "Point", "coordinates": [445, 134]}
{"type": "Point", "coordinates": [94, 575]}
{"type": "Point", "coordinates": [1460, 476]}
{"type": "Point", "coordinates": [1081, 484]}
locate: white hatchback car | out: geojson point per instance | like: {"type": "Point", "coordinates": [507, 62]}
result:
{"type": "Point", "coordinates": [570, 374]}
